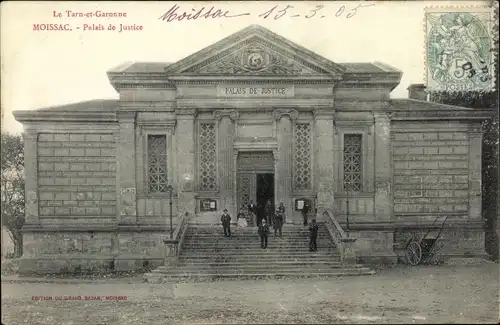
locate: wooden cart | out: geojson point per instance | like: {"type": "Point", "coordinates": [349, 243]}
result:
{"type": "Point", "coordinates": [424, 249]}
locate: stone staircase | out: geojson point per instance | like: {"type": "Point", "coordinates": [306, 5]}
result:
{"type": "Point", "coordinates": [207, 255]}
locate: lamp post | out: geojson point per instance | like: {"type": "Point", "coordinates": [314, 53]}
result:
{"type": "Point", "coordinates": [347, 206]}
{"type": "Point", "coordinates": [170, 189]}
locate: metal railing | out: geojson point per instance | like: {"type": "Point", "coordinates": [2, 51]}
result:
{"type": "Point", "coordinates": [174, 243]}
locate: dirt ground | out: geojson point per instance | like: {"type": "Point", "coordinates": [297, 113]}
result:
{"type": "Point", "coordinates": [451, 294]}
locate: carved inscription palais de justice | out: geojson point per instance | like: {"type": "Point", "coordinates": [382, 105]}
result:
{"type": "Point", "coordinates": [271, 91]}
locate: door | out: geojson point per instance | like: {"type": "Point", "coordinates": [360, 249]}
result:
{"type": "Point", "coordinates": [246, 189]}
{"type": "Point", "coordinates": [264, 192]}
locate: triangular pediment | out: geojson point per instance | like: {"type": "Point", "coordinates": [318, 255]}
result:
{"type": "Point", "coordinates": [255, 51]}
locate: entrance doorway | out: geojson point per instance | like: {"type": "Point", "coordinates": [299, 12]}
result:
{"type": "Point", "coordinates": [265, 192]}
{"type": "Point", "coordinates": [255, 180]}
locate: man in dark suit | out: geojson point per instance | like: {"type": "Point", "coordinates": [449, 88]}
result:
{"type": "Point", "coordinates": [263, 233]}
{"type": "Point", "coordinates": [305, 211]}
{"type": "Point", "coordinates": [313, 235]}
{"type": "Point", "coordinates": [226, 223]}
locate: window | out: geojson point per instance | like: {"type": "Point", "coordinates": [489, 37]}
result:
{"type": "Point", "coordinates": [302, 159]}
{"type": "Point", "coordinates": [208, 157]}
{"type": "Point", "coordinates": [157, 163]}
{"type": "Point", "coordinates": [352, 162]}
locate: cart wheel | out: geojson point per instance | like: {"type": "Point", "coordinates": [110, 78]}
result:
{"type": "Point", "coordinates": [413, 253]}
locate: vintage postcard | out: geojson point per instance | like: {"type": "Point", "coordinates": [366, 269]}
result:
{"type": "Point", "coordinates": [249, 162]}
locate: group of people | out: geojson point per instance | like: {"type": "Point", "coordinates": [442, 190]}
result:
{"type": "Point", "coordinates": [275, 220]}
{"type": "Point", "coordinates": [252, 219]}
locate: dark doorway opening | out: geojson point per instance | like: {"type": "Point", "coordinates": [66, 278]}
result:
{"type": "Point", "coordinates": [265, 192]}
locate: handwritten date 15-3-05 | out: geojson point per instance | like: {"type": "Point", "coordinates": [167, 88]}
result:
{"type": "Point", "coordinates": [276, 12]}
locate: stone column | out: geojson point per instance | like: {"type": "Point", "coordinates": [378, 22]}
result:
{"type": "Point", "coordinates": [226, 133]}
{"type": "Point", "coordinates": [283, 163]}
{"type": "Point", "coordinates": [324, 158]}
{"type": "Point", "coordinates": [31, 178]}
{"type": "Point", "coordinates": [383, 178]}
{"type": "Point", "coordinates": [186, 161]}
{"type": "Point", "coordinates": [475, 174]}
{"type": "Point", "coordinates": [125, 169]}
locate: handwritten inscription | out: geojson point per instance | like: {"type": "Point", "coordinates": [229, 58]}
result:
{"type": "Point", "coordinates": [286, 91]}
{"type": "Point", "coordinates": [172, 14]}
{"type": "Point", "coordinates": [276, 12]}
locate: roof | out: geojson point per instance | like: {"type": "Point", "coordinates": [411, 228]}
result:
{"type": "Point", "coordinates": [368, 67]}
{"type": "Point", "coordinates": [88, 105]}
{"type": "Point", "coordinates": [159, 67]}
{"type": "Point", "coordinates": [420, 105]}
{"type": "Point", "coordinates": [141, 67]}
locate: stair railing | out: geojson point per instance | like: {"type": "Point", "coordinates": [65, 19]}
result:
{"type": "Point", "coordinates": [173, 245]}
{"type": "Point", "coordinates": [344, 243]}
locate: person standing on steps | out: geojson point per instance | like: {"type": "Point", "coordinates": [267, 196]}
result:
{"type": "Point", "coordinates": [268, 211]}
{"type": "Point", "coordinates": [278, 223]}
{"type": "Point", "coordinates": [281, 210]}
{"type": "Point", "coordinates": [313, 235]}
{"type": "Point", "coordinates": [241, 219]}
{"type": "Point", "coordinates": [263, 233]}
{"type": "Point", "coordinates": [252, 210]}
{"type": "Point", "coordinates": [305, 211]}
{"type": "Point", "coordinates": [226, 223]}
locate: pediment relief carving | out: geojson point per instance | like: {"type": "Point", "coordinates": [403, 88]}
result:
{"type": "Point", "coordinates": [255, 59]}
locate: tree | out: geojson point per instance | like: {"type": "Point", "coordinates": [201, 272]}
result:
{"type": "Point", "coordinates": [12, 188]}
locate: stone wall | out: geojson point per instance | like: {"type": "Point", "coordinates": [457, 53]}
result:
{"type": "Point", "coordinates": [430, 172]}
{"type": "Point", "coordinates": [76, 174]}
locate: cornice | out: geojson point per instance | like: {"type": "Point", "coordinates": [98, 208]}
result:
{"type": "Point", "coordinates": [245, 80]}
{"type": "Point", "coordinates": [321, 113]}
{"type": "Point", "coordinates": [471, 115]}
{"type": "Point", "coordinates": [65, 116]}
{"type": "Point", "coordinates": [231, 113]}
{"type": "Point", "coordinates": [253, 104]}
{"type": "Point", "coordinates": [128, 105]}
{"type": "Point", "coordinates": [186, 112]}
{"type": "Point", "coordinates": [163, 127]}
{"type": "Point", "coordinates": [350, 85]}
{"type": "Point", "coordinates": [126, 115]}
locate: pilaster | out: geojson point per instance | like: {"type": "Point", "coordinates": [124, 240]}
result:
{"type": "Point", "coordinates": [475, 173]}
{"type": "Point", "coordinates": [226, 130]}
{"type": "Point", "coordinates": [324, 158]}
{"type": "Point", "coordinates": [383, 179]}
{"type": "Point", "coordinates": [31, 177]}
{"type": "Point", "coordinates": [186, 161]}
{"type": "Point", "coordinates": [284, 118]}
{"type": "Point", "coordinates": [126, 169]}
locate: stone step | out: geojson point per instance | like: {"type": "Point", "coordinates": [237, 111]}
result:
{"type": "Point", "coordinates": [264, 263]}
{"type": "Point", "coordinates": [264, 270]}
{"type": "Point", "coordinates": [253, 255]}
{"type": "Point", "coordinates": [254, 244]}
{"type": "Point", "coordinates": [245, 230]}
{"type": "Point", "coordinates": [163, 278]}
{"type": "Point", "coordinates": [239, 237]}
{"type": "Point", "coordinates": [268, 257]}
{"type": "Point", "coordinates": [256, 251]}
{"type": "Point", "coordinates": [251, 231]}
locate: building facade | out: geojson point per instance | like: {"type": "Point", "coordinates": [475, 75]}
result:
{"type": "Point", "coordinates": [253, 117]}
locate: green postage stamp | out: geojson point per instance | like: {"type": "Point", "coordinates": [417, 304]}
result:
{"type": "Point", "coordinates": [460, 48]}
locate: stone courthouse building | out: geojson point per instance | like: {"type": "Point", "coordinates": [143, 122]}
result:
{"type": "Point", "coordinates": [251, 117]}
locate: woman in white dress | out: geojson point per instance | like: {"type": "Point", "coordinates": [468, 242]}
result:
{"type": "Point", "coordinates": [242, 221]}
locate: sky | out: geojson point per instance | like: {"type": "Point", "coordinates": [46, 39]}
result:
{"type": "Point", "coordinates": [47, 68]}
